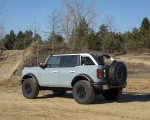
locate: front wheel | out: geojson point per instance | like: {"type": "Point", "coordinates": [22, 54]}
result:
{"type": "Point", "coordinates": [83, 92]}
{"type": "Point", "coordinates": [112, 94]}
{"type": "Point", "coordinates": [30, 88]}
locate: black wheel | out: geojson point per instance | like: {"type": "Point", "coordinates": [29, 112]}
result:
{"type": "Point", "coordinates": [83, 92]}
{"type": "Point", "coordinates": [112, 94]}
{"type": "Point", "coordinates": [30, 88]}
{"type": "Point", "coordinates": [117, 73]}
{"type": "Point", "coordinates": [59, 92]}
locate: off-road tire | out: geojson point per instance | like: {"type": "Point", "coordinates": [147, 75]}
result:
{"type": "Point", "coordinates": [58, 92]}
{"type": "Point", "coordinates": [83, 92]}
{"type": "Point", "coordinates": [117, 73]}
{"type": "Point", "coordinates": [30, 88]}
{"type": "Point", "coordinates": [112, 94]}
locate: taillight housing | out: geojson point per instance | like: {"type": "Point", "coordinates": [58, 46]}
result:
{"type": "Point", "coordinates": [99, 73]}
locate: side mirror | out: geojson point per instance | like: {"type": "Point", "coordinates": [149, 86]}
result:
{"type": "Point", "coordinates": [41, 65]}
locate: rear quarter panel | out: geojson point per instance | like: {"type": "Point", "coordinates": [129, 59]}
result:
{"type": "Point", "coordinates": [90, 70]}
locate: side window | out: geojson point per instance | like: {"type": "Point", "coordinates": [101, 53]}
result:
{"type": "Point", "coordinates": [86, 61]}
{"type": "Point", "coordinates": [69, 61]}
{"type": "Point", "coordinates": [53, 62]}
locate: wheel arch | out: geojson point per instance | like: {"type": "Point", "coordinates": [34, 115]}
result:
{"type": "Point", "coordinates": [29, 75]}
{"type": "Point", "coordinates": [81, 77]}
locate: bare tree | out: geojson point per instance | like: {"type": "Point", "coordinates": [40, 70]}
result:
{"type": "Point", "coordinates": [65, 25]}
{"type": "Point", "coordinates": [53, 22]}
{"type": "Point", "coordinates": [67, 19]}
{"type": "Point", "coordinates": [109, 22]}
{"type": "Point", "coordinates": [36, 37]}
{"type": "Point", "coordinates": [112, 28]}
{"type": "Point", "coordinates": [54, 26]}
{"type": "Point", "coordinates": [2, 29]}
{"type": "Point", "coordinates": [71, 15]}
{"type": "Point", "coordinates": [2, 25]}
{"type": "Point", "coordinates": [77, 11]}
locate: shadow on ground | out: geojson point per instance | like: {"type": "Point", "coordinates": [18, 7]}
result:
{"type": "Point", "coordinates": [67, 95]}
{"type": "Point", "coordinates": [126, 97]}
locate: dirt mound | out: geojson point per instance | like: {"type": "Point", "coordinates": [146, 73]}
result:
{"type": "Point", "coordinates": [9, 61]}
{"type": "Point", "coordinates": [13, 61]}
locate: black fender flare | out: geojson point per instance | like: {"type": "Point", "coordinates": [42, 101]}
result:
{"type": "Point", "coordinates": [29, 75]}
{"type": "Point", "coordinates": [81, 77]}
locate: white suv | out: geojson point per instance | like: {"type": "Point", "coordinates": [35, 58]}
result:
{"type": "Point", "coordinates": [86, 74]}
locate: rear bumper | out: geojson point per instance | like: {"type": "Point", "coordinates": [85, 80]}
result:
{"type": "Point", "coordinates": [102, 86]}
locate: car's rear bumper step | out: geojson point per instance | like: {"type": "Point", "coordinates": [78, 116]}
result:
{"type": "Point", "coordinates": [101, 86]}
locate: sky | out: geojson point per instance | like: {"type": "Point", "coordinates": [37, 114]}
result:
{"type": "Point", "coordinates": [20, 14]}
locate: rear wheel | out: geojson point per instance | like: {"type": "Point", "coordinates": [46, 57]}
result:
{"type": "Point", "coordinates": [112, 94]}
{"type": "Point", "coordinates": [30, 88]}
{"type": "Point", "coordinates": [59, 91]}
{"type": "Point", "coordinates": [83, 92]}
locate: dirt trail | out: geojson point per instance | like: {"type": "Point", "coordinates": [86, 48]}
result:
{"type": "Point", "coordinates": [9, 62]}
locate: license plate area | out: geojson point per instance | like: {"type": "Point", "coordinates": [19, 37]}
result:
{"type": "Point", "coordinates": [105, 87]}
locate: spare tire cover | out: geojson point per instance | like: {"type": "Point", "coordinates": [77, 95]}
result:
{"type": "Point", "coordinates": [117, 73]}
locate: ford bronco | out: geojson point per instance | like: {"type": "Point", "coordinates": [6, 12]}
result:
{"type": "Point", "coordinates": [85, 74]}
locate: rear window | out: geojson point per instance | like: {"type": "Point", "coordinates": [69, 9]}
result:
{"type": "Point", "coordinates": [86, 61]}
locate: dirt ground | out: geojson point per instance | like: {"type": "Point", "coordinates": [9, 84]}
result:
{"type": "Point", "coordinates": [134, 104]}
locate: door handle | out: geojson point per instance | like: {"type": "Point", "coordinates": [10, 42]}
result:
{"type": "Point", "coordinates": [54, 71]}
{"type": "Point", "coordinates": [72, 71]}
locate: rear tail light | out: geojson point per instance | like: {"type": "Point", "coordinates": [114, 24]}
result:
{"type": "Point", "coordinates": [99, 73]}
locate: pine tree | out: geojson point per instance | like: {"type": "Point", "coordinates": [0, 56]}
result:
{"type": "Point", "coordinates": [92, 41]}
{"type": "Point", "coordinates": [102, 35]}
{"type": "Point", "coordinates": [56, 38]}
{"type": "Point", "coordinates": [9, 40]}
{"type": "Point", "coordinates": [28, 38]}
{"type": "Point", "coordinates": [145, 33]}
{"type": "Point", "coordinates": [145, 25]}
{"type": "Point", "coordinates": [80, 34]}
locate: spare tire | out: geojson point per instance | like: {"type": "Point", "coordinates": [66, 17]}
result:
{"type": "Point", "coordinates": [117, 73]}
